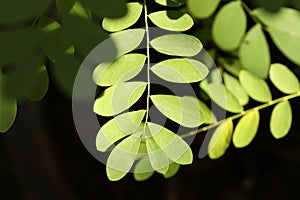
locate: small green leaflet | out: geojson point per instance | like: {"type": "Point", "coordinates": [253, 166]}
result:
{"type": "Point", "coordinates": [223, 97]}
{"type": "Point", "coordinates": [234, 86]}
{"type": "Point", "coordinates": [118, 128]}
{"type": "Point", "coordinates": [234, 66]}
{"type": "Point", "coordinates": [281, 120]}
{"type": "Point", "coordinates": [254, 52]}
{"type": "Point", "coordinates": [284, 79]}
{"type": "Point", "coordinates": [118, 98]}
{"type": "Point", "coordinates": [172, 20]}
{"type": "Point", "coordinates": [246, 129]}
{"type": "Point", "coordinates": [171, 144]}
{"type": "Point", "coordinates": [202, 8]}
{"type": "Point", "coordinates": [40, 86]}
{"type": "Point", "coordinates": [229, 26]}
{"type": "Point", "coordinates": [122, 157]}
{"type": "Point", "coordinates": [220, 140]}
{"type": "Point", "coordinates": [172, 171]}
{"type": "Point", "coordinates": [177, 45]}
{"type": "Point", "coordinates": [122, 69]}
{"type": "Point", "coordinates": [255, 87]}
{"type": "Point", "coordinates": [284, 28]}
{"type": "Point", "coordinates": [127, 40]}
{"type": "Point", "coordinates": [181, 110]}
{"type": "Point", "coordinates": [8, 107]}
{"type": "Point", "coordinates": [180, 70]}
{"type": "Point", "coordinates": [73, 7]}
{"type": "Point", "coordinates": [134, 11]}
{"type": "Point", "coordinates": [143, 169]}
{"type": "Point", "coordinates": [171, 3]}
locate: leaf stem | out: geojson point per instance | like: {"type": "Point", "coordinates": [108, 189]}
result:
{"type": "Point", "coordinates": [148, 62]}
{"type": "Point", "coordinates": [270, 103]}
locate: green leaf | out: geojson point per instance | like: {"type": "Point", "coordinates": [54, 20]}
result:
{"type": "Point", "coordinates": [180, 70]}
{"type": "Point", "coordinates": [118, 128]}
{"type": "Point", "coordinates": [122, 157]}
{"type": "Point", "coordinates": [223, 97]}
{"type": "Point", "coordinates": [128, 40]}
{"type": "Point", "coordinates": [118, 98]}
{"type": "Point", "coordinates": [255, 87]}
{"type": "Point", "coordinates": [40, 86]}
{"type": "Point", "coordinates": [220, 140]}
{"type": "Point", "coordinates": [234, 86]}
{"type": "Point", "coordinates": [284, 28]}
{"type": "Point", "coordinates": [177, 45]}
{"type": "Point", "coordinates": [73, 7]}
{"type": "Point", "coordinates": [172, 20]}
{"type": "Point", "coordinates": [254, 52]}
{"type": "Point", "coordinates": [15, 10]}
{"type": "Point", "coordinates": [8, 106]}
{"type": "Point", "coordinates": [246, 129]}
{"type": "Point", "coordinates": [143, 169]}
{"type": "Point", "coordinates": [226, 34]}
{"type": "Point", "coordinates": [284, 79]}
{"type": "Point", "coordinates": [171, 144]}
{"type": "Point", "coordinates": [134, 11]}
{"type": "Point", "coordinates": [172, 171]}
{"type": "Point", "coordinates": [158, 159]}
{"type": "Point", "coordinates": [122, 69]}
{"type": "Point", "coordinates": [47, 24]}
{"type": "Point", "coordinates": [281, 120]}
{"type": "Point", "coordinates": [233, 66]}
{"type": "Point", "coordinates": [181, 110]}
{"type": "Point", "coordinates": [202, 8]}
{"type": "Point", "coordinates": [171, 3]}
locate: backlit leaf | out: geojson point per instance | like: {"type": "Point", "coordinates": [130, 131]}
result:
{"type": "Point", "coordinates": [281, 120]}
{"type": "Point", "coordinates": [118, 98]}
{"type": "Point", "coordinates": [202, 8]}
{"type": "Point", "coordinates": [118, 128]}
{"type": "Point", "coordinates": [255, 87]}
{"type": "Point", "coordinates": [181, 110]}
{"type": "Point", "coordinates": [134, 11]}
{"type": "Point", "coordinates": [246, 129]}
{"type": "Point", "coordinates": [122, 69]}
{"type": "Point", "coordinates": [180, 70]}
{"type": "Point", "coordinates": [229, 26]}
{"type": "Point", "coordinates": [254, 52]}
{"type": "Point", "coordinates": [284, 79]}
{"type": "Point", "coordinates": [220, 140]}
{"type": "Point", "coordinates": [172, 171]}
{"type": "Point", "coordinates": [177, 45]}
{"type": "Point", "coordinates": [143, 169]}
{"type": "Point", "coordinates": [172, 20]}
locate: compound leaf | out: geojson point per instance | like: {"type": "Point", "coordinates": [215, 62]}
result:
{"type": "Point", "coordinates": [118, 98]}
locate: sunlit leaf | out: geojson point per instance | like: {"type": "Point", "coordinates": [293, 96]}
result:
{"type": "Point", "coordinates": [181, 110]}
{"type": "Point", "coordinates": [8, 106]}
{"type": "Point", "coordinates": [223, 97]}
{"type": "Point", "coordinates": [226, 33]}
{"type": "Point", "coordinates": [171, 3]}
{"type": "Point", "coordinates": [118, 128]}
{"type": "Point", "coordinates": [180, 70]}
{"type": "Point", "coordinates": [122, 157]}
{"type": "Point", "coordinates": [122, 69]}
{"type": "Point", "coordinates": [172, 20]}
{"type": "Point", "coordinates": [177, 45]}
{"type": "Point", "coordinates": [220, 140]}
{"type": "Point", "coordinates": [255, 87]}
{"type": "Point", "coordinates": [281, 120]}
{"type": "Point", "coordinates": [254, 52]}
{"type": "Point", "coordinates": [171, 144]}
{"type": "Point", "coordinates": [246, 129]}
{"type": "Point", "coordinates": [118, 98]}
{"type": "Point", "coordinates": [202, 8]}
{"type": "Point", "coordinates": [143, 169]}
{"type": "Point", "coordinates": [234, 86]}
{"type": "Point", "coordinates": [284, 79]}
{"type": "Point", "coordinates": [128, 40]}
{"type": "Point", "coordinates": [134, 11]}
{"type": "Point", "coordinates": [172, 171]}
{"type": "Point", "coordinates": [284, 28]}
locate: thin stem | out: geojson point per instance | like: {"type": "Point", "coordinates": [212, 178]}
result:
{"type": "Point", "coordinates": [270, 103]}
{"type": "Point", "coordinates": [148, 61]}
{"type": "Point", "coordinates": [250, 12]}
